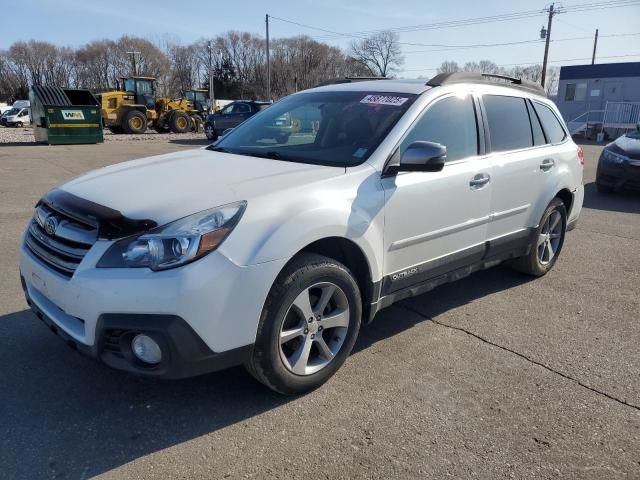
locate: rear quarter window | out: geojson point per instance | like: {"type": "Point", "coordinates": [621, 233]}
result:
{"type": "Point", "coordinates": [509, 125]}
{"type": "Point", "coordinates": [552, 126]}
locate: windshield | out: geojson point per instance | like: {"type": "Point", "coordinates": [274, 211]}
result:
{"type": "Point", "coordinates": [13, 111]}
{"type": "Point", "coordinates": [634, 134]}
{"type": "Point", "coordinates": [326, 128]}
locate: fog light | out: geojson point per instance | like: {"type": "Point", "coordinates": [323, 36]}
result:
{"type": "Point", "coordinates": [146, 349]}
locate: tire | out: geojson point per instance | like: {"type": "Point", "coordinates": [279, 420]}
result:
{"type": "Point", "coordinates": [179, 122]}
{"type": "Point", "coordinates": [134, 122]}
{"type": "Point", "coordinates": [210, 132]}
{"type": "Point", "coordinates": [548, 241]}
{"type": "Point", "coordinates": [196, 123]}
{"type": "Point", "coordinates": [327, 339]}
{"type": "Point", "coordinates": [19, 125]}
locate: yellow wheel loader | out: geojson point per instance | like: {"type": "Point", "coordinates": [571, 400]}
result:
{"type": "Point", "coordinates": [135, 107]}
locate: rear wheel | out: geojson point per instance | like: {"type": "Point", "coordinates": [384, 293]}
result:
{"type": "Point", "coordinates": [548, 241]}
{"type": "Point", "coordinates": [179, 122]}
{"type": "Point", "coordinates": [210, 132]}
{"type": "Point", "coordinates": [308, 326]}
{"type": "Point", "coordinates": [135, 122]}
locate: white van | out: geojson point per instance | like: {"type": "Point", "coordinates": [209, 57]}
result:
{"type": "Point", "coordinates": [18, 117]}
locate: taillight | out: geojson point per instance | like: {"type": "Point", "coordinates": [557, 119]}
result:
{"type": "Point", "coordinates": [580, 156]}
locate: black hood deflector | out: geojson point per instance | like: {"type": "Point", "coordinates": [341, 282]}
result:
{"type": "Point", "coordinates": [111, 224]}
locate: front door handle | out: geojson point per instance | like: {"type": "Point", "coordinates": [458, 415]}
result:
{"type": "Point", "coordinates": [479, 181]}
{"type": "Point", "coordinates": [547, 164]}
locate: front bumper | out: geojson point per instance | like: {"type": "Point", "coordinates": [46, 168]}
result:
{"type": "Point", "coordinates": [204, 315]}
{"type": "Point", "coordinates": [184, 354]}
{"type": "Point", "coordinates": [621, 176]}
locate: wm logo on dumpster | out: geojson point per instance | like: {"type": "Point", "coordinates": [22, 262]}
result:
{"type": "Point", "coordinates": [72, 115]}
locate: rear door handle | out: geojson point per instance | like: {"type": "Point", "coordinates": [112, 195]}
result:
{"type": "Point", "coordinates": [479, 181]}
{"type": "Point", "coordinates": [547, 164]}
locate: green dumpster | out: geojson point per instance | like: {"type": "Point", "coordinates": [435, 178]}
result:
{"type": "Point", "coordinates": [63, 116]}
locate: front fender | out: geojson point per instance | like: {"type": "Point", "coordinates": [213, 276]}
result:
{"type": "Point", "coordinates": [285, 224]}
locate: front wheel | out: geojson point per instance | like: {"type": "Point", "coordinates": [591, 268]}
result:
{"type": "Point", "coordinates": [548, 241]}
{"type": "Point", "coordinates": [308, 326]}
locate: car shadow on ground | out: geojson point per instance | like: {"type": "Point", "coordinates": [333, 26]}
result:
{"type": "Point", "coordinates": [623, 202]}
{"type": "Point", "coordinates": [438, 301]}
{"type": "Point", "coordinates": [67, 416]}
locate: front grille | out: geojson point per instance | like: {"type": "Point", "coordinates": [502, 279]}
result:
{"type": "Point", "coordinates": [59, 241]}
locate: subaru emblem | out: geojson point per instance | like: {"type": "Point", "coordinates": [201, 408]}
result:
{"type": "Point", "coordinates": [51, 225]}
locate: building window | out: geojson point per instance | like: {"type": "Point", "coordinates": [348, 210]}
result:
{"type": "Point", "coordinates": [575, 92]}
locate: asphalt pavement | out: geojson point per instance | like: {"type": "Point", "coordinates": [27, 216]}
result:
{"type": "Point", "coordinates": [495, 376]}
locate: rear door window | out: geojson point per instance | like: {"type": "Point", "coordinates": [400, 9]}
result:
{"type": "Point", "coordinates": [509, 125]}
{"type": "Point", "coordinates": [450, 122]}
{"type": "Point", "coordinates": [552, 126]}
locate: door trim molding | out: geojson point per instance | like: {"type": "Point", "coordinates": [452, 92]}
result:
{"type": "Point", "coordinates": [476, 222]}
{"type": "Point", "coordinates": [425, 276]}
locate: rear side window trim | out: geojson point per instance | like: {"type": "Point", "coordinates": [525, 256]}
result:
{"type": "Point", "coordinates": [532, 112]}
{"type": "Point", "coordinates": [560, 122]}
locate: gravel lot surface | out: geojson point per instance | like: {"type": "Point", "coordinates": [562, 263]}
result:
{"type": "Point", "coordinates": [24, 136]}
{"type": "Point", "coordinates": [496, 376]}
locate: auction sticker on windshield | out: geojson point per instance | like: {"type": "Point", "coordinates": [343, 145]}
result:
{"type": "Point", "coordinates": [384, 100]}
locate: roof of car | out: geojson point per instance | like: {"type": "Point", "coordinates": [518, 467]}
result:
{"type": "Point", "coordinates": [419, 86]}
{"type": "Point", "coordinates": [382, 85]}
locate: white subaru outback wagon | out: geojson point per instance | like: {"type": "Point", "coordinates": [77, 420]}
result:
{"type": "Point", "coordinates": [271, 247]}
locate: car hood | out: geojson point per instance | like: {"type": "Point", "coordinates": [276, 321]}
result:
{"type": "Point", "coordinates": [167, 187]}
{"type": "Point", "coordinates": [626, 146]}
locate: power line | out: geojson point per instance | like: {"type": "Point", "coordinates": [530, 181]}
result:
{"type": "Point", "coordinates": [464, 22]}
{"type": "Point", "coordinates": [534, 62]}
{"type": "Point", "coordinates": [537, 40]}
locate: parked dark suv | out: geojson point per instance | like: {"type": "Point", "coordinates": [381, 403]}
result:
{"type": "Point", "coordinates": [231, 116]}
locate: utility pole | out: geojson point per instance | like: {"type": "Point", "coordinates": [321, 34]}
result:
{"type": "Point", "coordinates": [211, 92]}
{"type": "Point", "coordinates": [268, 63]}
{"type": "Point", "coordinates": [552, 12]}
{"type": "Point", "coordinates": [133, 62]}
{"type": "Point", "coordinates": [595, 46]}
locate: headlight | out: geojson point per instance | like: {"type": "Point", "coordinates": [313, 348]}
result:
{"type": "Point", "coordinates": [613, 157]}
{"type": "Point", "coordinates": [176, 243]}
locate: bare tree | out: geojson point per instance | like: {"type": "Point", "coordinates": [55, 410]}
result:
{"type": "Point", "coordinates": [449, 67]}
{"type": "Point", "coordinates": [380, 53]}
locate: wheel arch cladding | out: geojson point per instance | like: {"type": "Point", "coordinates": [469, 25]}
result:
{"type": "Point", "coordinates": [351, 256]}
{"type": "Point", "coordinates": [567, 198]}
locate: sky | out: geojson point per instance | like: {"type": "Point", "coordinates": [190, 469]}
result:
{"type": "Point", "coordinates": [77, 22]}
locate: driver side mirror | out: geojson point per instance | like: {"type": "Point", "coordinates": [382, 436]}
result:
{"type": "Point", "coordinates": [421, 157]}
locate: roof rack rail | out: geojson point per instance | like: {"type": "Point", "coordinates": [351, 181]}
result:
{"type": "Point", "coordinates": [487, 78]}
{"type": "Point", "coordinates": [337, 81]}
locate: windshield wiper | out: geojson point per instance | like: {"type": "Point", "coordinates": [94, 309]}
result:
{"type": "Point", "coordinates": [217, 149]}
{"type": "Point", "coordinates": [270, 154]}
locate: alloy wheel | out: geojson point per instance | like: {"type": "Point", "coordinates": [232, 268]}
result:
{"type": "Point", "coordinates": [314, 328]}
{"type": "Point", "coordinates": [549, 238]}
